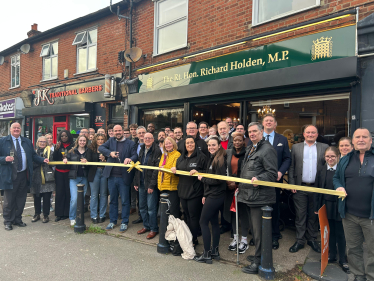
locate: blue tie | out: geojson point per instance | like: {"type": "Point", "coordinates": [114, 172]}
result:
{"type": "Point", "coordinates": [19, 156]}
{"type": "Point", "coordinates": [267, 137]}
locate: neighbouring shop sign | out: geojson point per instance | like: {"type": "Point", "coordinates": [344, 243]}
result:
{"type": "Point", "coordinates": [89, 91]}
{"type": "Point", "coordinates": [8, 109]}
{"type": "Point", "coordinates": [328, 45]}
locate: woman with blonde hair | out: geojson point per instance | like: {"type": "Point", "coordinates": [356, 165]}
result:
{"type": "Point", "coordinates": [43, 181]}
{"type": "Point", "coordinates": [167, 182]}
{"type": "Point", "coordinates": [50, 141]}
{"type": "Point", "coordinates": [77, 173]}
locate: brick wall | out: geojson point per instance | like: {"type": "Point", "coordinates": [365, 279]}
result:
{"type": "Point", "coordinates": [215, 22]}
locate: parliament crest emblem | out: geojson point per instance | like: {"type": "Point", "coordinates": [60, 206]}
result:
{"type": "Point", "coordinates": [322, 48]}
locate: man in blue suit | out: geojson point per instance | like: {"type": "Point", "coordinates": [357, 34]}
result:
{"type": "Point", "coordinates": [118, 149]}
{"type": "Point", "coordinates": [16, 173]}
{"type": "Point", "coordinates": [280, 144]}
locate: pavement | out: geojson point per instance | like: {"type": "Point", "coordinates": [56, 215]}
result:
{"type": "Point", "coordinates": [283, 260]}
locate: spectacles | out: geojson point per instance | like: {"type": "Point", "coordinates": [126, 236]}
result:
{"type": "Point", "coordinates": [203, 127]}
{"type": "Point", "coordinates": [332, 157]}
{"type": "Point", "coordinates": [191, 128]}
{"type": "Point", "coordinates": [148, 138]}
{"type": "Point", "coordinates": [42, 141]}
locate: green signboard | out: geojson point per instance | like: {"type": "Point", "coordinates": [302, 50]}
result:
{"type": "Point", "coordinates": [328, 45]}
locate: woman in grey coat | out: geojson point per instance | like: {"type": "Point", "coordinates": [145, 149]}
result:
{"type": "Point", "coordinates": [43, 183]}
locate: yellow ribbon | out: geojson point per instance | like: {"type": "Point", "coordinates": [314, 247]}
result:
{"type": "Point", "coordinates": [139, 167]}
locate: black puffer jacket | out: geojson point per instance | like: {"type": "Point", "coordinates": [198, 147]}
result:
{"type": "Point", "coordinates": [201, 144]}
{"type": "Point", "coordinates": [215, 188]}
{"type": "Point", "coordinates": [153, 159]}
{"type": "Point", "coordinates": [262, 164]}
{"type": "Point", "coordinates": [76, 156]}
{"type": "Point", "coordinates": [191, 187]}
{"type": "Point", "coordinates": [92, 156]}
{"type": "Point", "coordinates": [57, 156]}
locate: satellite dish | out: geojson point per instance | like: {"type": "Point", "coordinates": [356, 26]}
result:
{"type": "Point", "coordinates": [133, 54]}
{"type": "Point", "coordinates": [2, 60]}
{"type": "Point", "coordinates": [25, 48]}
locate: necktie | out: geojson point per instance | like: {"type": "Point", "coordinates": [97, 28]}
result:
{"type": "Point", "coordinates": [331, 169]}
{"type": "Point", "coordinates": [19, 156]}
{"type": "Point", "coordinates": [267, 137]}
{"type": "Point", "coordinates": [251, 151]}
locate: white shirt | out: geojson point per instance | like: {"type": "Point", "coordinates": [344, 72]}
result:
{"type": "Point", "coordinates": [309, 163]}
{"type": "Point", "coordinates": [22, 151]}
{"type": "Point", "coordinates": [334, 168]}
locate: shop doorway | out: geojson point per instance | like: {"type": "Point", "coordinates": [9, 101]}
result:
{"type": "Point", "coordinates": [215, 113]}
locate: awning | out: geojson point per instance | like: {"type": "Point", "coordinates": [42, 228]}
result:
{"type": "Point", "coordinates": [79, 107]}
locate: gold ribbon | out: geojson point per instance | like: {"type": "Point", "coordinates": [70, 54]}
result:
{"type": "Point", "coordinates": [48, 150]}
{"type": "Point", "coordinates": [139, 167]}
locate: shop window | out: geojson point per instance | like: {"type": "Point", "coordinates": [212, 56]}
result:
{"type": "Point", "coordinates": [172, 117]}
{"type": "Point", "coordinates": [49, 54]}
{"type": "Point", "coordinates": [78, 122]}
{"type": "Point", "coordinates": [268, 10]}
{"type": "Point", "coordinates": [86, 42]}
{"type": "Point", "coordinates": [171, 22]}
{"type": "Point", "coordinates": [117, 111]}
{"type": "Point", "coordinates": [213, 114]}
{"type": "Point", "coordinates": [15, 71]}
{"type": "Point", "coordinates": [43, 126]}
{"type": "Point", "coordinates": [293, 114]}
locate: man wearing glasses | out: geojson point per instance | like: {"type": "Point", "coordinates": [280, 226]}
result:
{"type": "Point", "coordinates": [191, 130]}
{"type": "Point", "coordinates": [203, 130]}
{"type": "Point", "coordinates": [16, 171]}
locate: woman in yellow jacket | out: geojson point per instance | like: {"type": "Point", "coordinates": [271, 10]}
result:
{"type": "Point", "coordinates": [167, 182]}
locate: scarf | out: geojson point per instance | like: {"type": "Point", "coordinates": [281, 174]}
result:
{"type": "Point", "coordinates": [239, 155]}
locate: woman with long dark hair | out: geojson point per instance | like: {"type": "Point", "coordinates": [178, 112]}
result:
{"type": "Point", "coordinates": [43, 183]}
{"type": "Point", "coordinates": [345, 146]}
{"type": "Point", "coordinates": [214, 195]}
{"type": "Point", "coordinates": [235, 157]}
{"type": "Point", "coordinates": [77, 173]}
{"type": "Point", "coordinates": [98, 183]}
{"type": "Point", "coordinates": [62, 199]}
{"type": "Point", "coordinates": [190, 189]}
{"type": "Point", "coordinates": [324, 179]}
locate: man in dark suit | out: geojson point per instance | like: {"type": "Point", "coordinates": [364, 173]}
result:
{"type": "Point", "coordinates": [16, 173]}
{"type": "Point", "coordinates": [307, 158]}
{"type": "Point", "coordinates": [119, 150]}
{"type": "Point", "coordinates": [280, 143]}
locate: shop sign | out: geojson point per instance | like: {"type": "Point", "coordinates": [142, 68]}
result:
{"type": "Point", "coordinates": [50, 97]}
{"type": "Point", "coordinates": [328, 45]}
{"type": "Point", "coordinates": [8, 108]}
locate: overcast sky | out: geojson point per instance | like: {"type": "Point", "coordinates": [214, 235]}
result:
{"type": "Point", "coordinates": [17, 16]}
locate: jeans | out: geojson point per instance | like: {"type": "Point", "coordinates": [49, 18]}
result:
{"type": "Point", "coordinates": [99, 186]}
{"type": "Point", "coordinates": [74, 195]}
{"type": "Point", "coordinates": [117, 187]}
{"type": "Point", "coordinates": [148, 206]}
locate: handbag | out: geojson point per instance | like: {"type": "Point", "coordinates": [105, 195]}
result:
{"type": "Point", "coordinates": [48, 174]}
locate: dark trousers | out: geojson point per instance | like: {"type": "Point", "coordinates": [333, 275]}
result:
{"type": "Point", "coordinates": [224, 223]}
{"type": "Point", "coordinates": [337, 237]}
{"type": "Point", "coordinates": [243, 217]}
{"type": "Point", "coordinates": [15, 199]}
{"type": "Point", "coordinates": [210, 214]}
{"type": "Point", "coordinates": [46, 203]}
{"type": "Point", "coordinates": [275, 216]}
{"type": "Point", "coordinates": [192, 212]}
{"type": "Point", "coordinates": [306, 220]}
{"type": "Point", "coordinates": [62, 199]}
{"type": "Point", "coordinates": [87, 197]}
{"type": "Point", "coordinates": [357, 230]}
{"type": "Point", "coordinates": [174, 202]}
{"type": "Point", "coordinates": [255, 216]}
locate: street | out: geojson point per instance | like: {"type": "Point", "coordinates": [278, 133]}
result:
{"type": "Point", "coordinates": [54, 252]}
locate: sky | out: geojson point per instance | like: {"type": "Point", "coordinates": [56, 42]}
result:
{"type": "Point", "coordinates": [17, 16]}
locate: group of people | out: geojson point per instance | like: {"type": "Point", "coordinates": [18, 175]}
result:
{"type": "Point", "coordinates": [258, 154]}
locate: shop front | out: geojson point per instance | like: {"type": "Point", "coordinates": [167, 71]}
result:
{"type": "Point", "coordinates": [10, 112]}
{"type": "Point", "coordinates": [67, 107]}
{"type": "Point", "coordinates": [306, 80]}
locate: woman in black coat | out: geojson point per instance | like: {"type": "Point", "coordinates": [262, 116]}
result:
{"type": "Point", "coordinates": [190, 189]}
{"type": "Point", "coordinates": [324, 178]}
{"type": "Point", "coordinates": [62, 199]}
{"type": "Point", "coordinates": [98, 183]}
{"type": "Point", "coordinates": [235, 157]}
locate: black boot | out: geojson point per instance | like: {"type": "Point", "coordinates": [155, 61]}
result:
{"type": "Point", "coordinates": [205, 257]}
{"type": "Point", "coordinates": [215, 253]}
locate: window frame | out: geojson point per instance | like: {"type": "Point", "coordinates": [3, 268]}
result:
{"type": "Point", "coordinates": [86, 46]}
{"type": "Point", "coordinates": [49, 56]}
{"type": "Point", "coordinates": [157, 28]}
{"type": "Point", "coordinates": [11, 73]}
{"type": "Point", "coordinates": [255, 11]}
